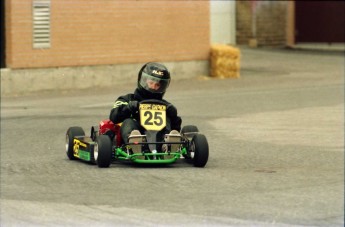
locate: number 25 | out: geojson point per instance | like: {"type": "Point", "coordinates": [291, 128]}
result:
{"type": "Point", "coordinates": [153, 119]}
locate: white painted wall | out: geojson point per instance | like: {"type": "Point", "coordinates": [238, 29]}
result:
{"type": "Point", "coordinates": [223, 21]}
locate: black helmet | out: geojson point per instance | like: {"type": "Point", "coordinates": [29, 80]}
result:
{"type": "Point", "coordinates": [153, 80]}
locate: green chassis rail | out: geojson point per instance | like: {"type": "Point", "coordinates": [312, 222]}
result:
{"type": "Point", "coordinates": [153, 158]}
{"type": "Point", "coordinates": [148, 157]}
{"type": "Point", "coordinates": [84, 151]}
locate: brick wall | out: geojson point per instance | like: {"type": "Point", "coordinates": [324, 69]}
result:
{"type": "Point", "coordinates": [270, 26]}
{"type": "Point", "coordinates": [89, 32]}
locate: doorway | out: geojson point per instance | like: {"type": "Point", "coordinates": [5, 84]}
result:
{"type": "Point", "coordinates": [2, 35]}
{"type": "Point", "coordinates": [319, 21]}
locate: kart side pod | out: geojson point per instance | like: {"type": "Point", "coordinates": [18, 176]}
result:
{"type": "Point", "coordinates": [107, 127]}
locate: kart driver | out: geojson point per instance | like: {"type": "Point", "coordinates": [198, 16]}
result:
{"type": "Point", "coordinates": [153, 80]}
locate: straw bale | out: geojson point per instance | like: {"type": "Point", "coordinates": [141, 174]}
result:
{"type": "Point", "coordinates": [225, 61]}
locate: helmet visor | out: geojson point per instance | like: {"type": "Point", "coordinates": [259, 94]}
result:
{"type": "Point", "coordinates": [153, 84]}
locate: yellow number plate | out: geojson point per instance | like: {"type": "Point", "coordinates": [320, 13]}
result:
{"type": "Point", "coordinates": [153, 116]}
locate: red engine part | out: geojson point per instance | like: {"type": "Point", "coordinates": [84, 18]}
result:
{"type": "Point", "coordinates": [108, 127]}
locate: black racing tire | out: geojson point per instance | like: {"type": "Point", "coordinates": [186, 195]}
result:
{"type": "Point", "coordinates": [70, 134]}
{"type": "Point", "coordinates": [199, 146]}
{"type": "Point", "coordinates": [189, 128]}
{"type": "Point", "coordinates": [103, 151]}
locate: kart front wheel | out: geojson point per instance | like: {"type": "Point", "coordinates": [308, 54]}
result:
{"type": "Point", "coordinates": [188, 131]}
{"type": "Point", "coordinates": [70, 134]}
{"type": "Point", "coordinates": [102, 151]}
{"type": "Point", "coordinates": [199, 150]}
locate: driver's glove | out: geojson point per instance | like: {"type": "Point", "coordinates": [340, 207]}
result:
{"type": "Point", "coordinates": [133, 106]}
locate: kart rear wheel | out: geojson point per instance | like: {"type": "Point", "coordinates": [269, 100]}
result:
{"type": "Point", "coordinates": [199, 150]}
{"type": "Point", "coordinates": [102, 151]}
{"type": "Point", "coordinates": [189, 129]}
{"type": "Point", "coordinates": [70, 134]}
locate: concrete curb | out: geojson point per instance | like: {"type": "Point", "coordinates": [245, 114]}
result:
{"type": "Point", "coordinates": [23, 81]}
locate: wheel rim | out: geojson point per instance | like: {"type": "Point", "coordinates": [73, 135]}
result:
{"type": "Point", "coordinates": [67, 143]}
{"type": "Point", "coordinates": [95, 151]}
{"type": "Point", "coordinates": [192, 150]}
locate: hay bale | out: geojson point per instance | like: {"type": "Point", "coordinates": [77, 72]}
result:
{"type": "Point", "coordinates": [225, 61]}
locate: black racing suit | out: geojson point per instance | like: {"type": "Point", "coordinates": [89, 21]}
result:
{"type": "Point", "coordinates": [130, 121]}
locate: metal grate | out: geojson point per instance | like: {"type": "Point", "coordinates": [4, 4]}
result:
{"type": "Point", "coordinates": [41, 23]}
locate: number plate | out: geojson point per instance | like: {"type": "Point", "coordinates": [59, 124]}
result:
{"type": "Point", "coordinates": [152, 116]}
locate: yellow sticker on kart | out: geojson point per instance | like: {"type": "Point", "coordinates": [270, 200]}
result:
{"type": "Point", "coordinates": [76, 144]}
{"type": "Point", "coordinates": [153, 116]}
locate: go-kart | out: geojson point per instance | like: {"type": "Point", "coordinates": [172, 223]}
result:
{"type": "Point", "coordinates": [105, 145]}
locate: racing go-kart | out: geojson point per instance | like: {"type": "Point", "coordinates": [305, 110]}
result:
{"type": "Point", "coordinates": [105, 145]}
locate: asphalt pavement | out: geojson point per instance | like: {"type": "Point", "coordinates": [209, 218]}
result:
{"type": "Point", "coordinates": [276, 138]}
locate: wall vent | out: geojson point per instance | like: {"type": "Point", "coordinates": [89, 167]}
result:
{"type": "Point", "coordinates": [41, 23]}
